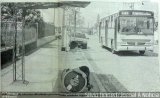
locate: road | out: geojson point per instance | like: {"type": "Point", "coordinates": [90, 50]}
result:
{"type": "Point", "coordinates": [135, 72]}
{"type": "Point", "coordinates": [122, 72]}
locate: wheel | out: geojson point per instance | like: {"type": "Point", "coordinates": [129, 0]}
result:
{"type": "Point", "coordinates": [141, 52]}
{"type": "Point", "coordinates": [112, 48]}
{"type": "Point", "coordinates": [102, 46]}
{"type": "Point", "coordinates": [84, 46]}
{"type": "Point", "coordinates": [113, 51]}
{"type": "Point", "coordinates": [73, 81]}
{"type": "Point", "coordinates": [73, 45]}
{"type": "Point", "coordinates": [59, 37]}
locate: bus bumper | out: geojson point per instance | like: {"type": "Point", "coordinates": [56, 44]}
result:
{"type": "Point", "coordinates": [129, 48]}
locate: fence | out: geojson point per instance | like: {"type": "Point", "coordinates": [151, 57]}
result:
{"type": "Point", "coordinates": [8, 30]}
{"type": "Point", "coordinates": [49, 29]}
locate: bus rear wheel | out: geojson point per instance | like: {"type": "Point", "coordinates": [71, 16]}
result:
{"type": "Point", "coordinates": [112, 48]}
{"type": "Point", "coordinates": [141, 52]}
{"type": "Point", "coordinates": [113, 51]}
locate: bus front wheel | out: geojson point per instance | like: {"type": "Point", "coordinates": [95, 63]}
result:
{"type": "Point", "coordinates": [141, 52]}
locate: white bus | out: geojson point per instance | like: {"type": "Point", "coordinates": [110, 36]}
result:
{"type": "Point", "coordinates": [128, 30]}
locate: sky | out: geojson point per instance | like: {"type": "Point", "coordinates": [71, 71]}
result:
{"type": "Point", "coordinates": [107, 8]}
{"type": "Point", "coordinates": [49, 17]}
{"type": "Point", "coordinates": [48, 14]}
{"type": "Point", "coordinates": [102, 8]}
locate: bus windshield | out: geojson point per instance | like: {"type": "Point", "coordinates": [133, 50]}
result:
{"type": "Point", "coordinates": [136, 25]}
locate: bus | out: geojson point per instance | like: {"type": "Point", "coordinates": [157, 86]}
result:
{"type": "Point", "coordinates": [128, 30]}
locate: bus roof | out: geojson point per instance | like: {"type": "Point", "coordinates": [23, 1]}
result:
{"type": "Point", "coordinates": [130, 13]}
{"type": "Point", "coordinates": [136, 12]}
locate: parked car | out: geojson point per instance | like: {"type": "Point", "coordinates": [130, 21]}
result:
{"type": "Point", "coordinates": [78, 39]}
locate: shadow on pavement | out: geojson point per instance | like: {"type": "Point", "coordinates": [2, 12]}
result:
{"type": "Point", "coordinates": [133, 53]}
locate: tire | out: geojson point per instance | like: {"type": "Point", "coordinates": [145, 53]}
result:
{"type": "Point", "coordinates": [67, 76]}
{"type": "Point", "coordinates": [113, 51]}
{"type": "Point", "coordinates": [73, 45]}
{"type": "Point", "coordinates": [141, 52]}
{"type": "Point", "coordinates": [112, 48]}
{"type": "Point", "coordinates": [102, 46]}
{"type": "Point", "coordinates": [84, 46]}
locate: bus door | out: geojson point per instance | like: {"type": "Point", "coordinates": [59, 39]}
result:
{"type": "Point", "coordinates": [115, 32]}
{"type": "Point", "coordinates": [106, 32]}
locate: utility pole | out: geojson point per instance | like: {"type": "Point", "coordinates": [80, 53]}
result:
{"type": "Point", "coordinates": [97, 22]}
{"type": "Point", "coordinates": [54, 21]}
{"type": "Point", "coordinates": [130, 5]}
{"type": "Point", "coordinates": [75, 21]}
{"type": "Point", "coordinates": [63, 31]}
{"type": "Point", "coordinates": [76, 10]}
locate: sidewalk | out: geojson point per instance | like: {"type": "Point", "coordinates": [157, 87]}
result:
{"type": "Point", "coordinates": [44, 40]}
{"type": "Point", "coordinates": [41, 69]}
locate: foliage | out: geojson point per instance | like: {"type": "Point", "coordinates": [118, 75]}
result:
{"type": "Point", "coordinates": [11, 12]}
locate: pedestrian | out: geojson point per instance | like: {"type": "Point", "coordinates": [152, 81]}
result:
{"type": "Point", "coordinates": [86, 74]}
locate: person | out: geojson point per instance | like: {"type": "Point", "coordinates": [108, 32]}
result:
{"type": "Point", "coordinates": [84, 70]}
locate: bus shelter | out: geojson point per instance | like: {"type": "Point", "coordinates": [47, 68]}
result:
{"type": "Point", "coordinates": [19, 72]}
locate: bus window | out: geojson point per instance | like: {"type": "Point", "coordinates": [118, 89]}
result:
{"type": "Point", "coordinates": [134, 25]}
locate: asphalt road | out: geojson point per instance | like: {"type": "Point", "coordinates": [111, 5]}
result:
{"type": "Point", "coordinates": [134, 71]}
